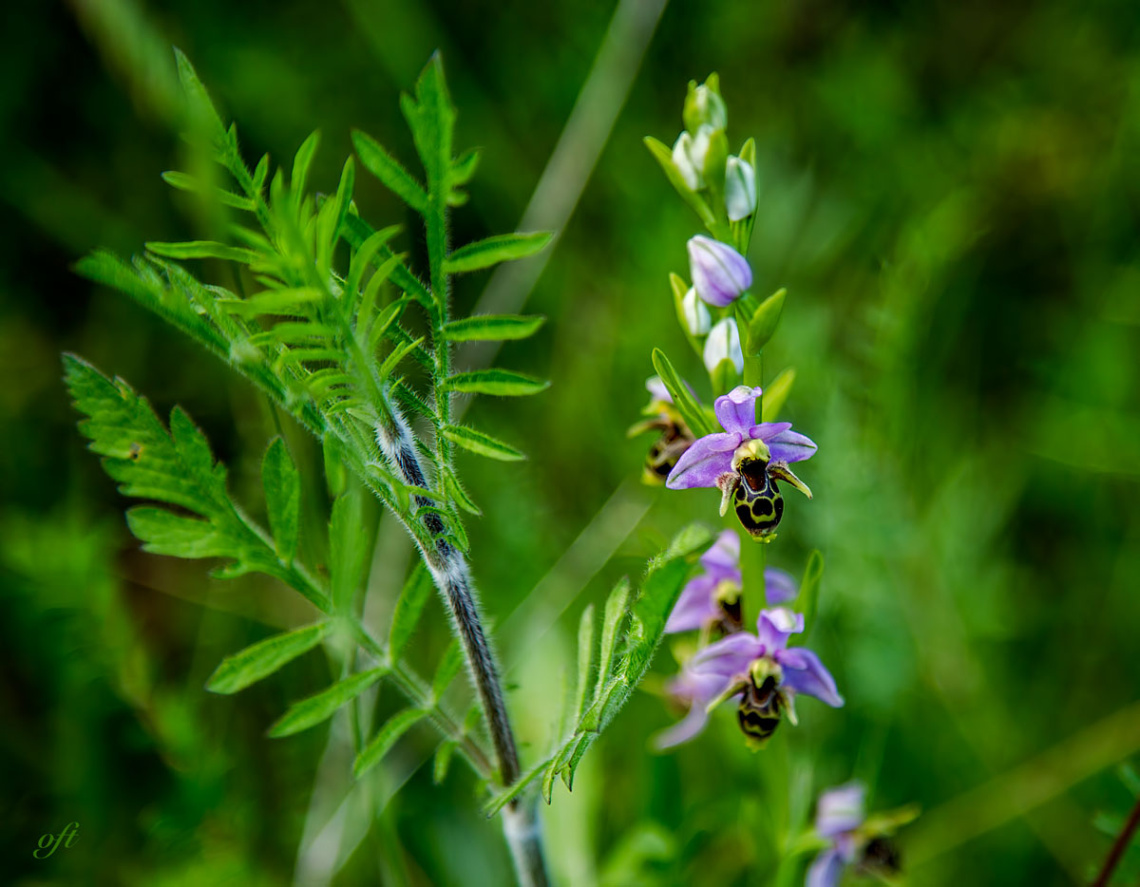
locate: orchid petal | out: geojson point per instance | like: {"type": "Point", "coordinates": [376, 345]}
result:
{"type": "Point", "coordinates": [791, 446]}
{"type": "Point", "coordinates": [736, 411]}
{"type": "Point", "coordinates": [840, 809]}
{"type": "Point", "coordinates": [728, 658]}
{"type": "Point", "coordinates": [694, 606]}
{"type": "Point", "coordinates": [826, 870]}
{"type": "Point", "coordinates": [720, 274]}
{"type": "Point", "coordinates": [723, 559]}
{"type": "Point", "coordinates": [703, 462]}
{"type": "Point", "coordinates": [657, 389]}
{"type": "Point", "coordinates": [776, 625]}
{"type": "Point", "coordinates": [779, 587]}
{"type": "Point", "coordinates": [804, 673]}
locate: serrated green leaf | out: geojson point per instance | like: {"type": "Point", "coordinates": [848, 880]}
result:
{"type": "Point", "coordinates": [184, 182]}
{"type": "Point", "coordinates": [493, 250]}
{"type": "Point", "coordinates": [414, 596]}
{"type": "Point", "coordinates": [691, 411]}
{"type": "Point", "coordinates": [392, 360]}
{"type": "Point", "coordinates": [483, 444]}
{"type": "Point", "coordinates": [277, 302]}
{"type": "Point", "coordinates": [807, 601]}
{"type": "Point", "coordinates": [386, 737]}
{"type": "Point", "coordinates": [776, 395]}
{"type": "Point", "coordinates": [388, 170]}
{"type": "Point", "coordinates": [316, 709]}
{"type": "Point", "coordinates": [449, 666]}
{"type": "Point", "coordinates": [201, 109]}
{"type": "Point", "coordinates": [442, 762]}
{"type": "Point", "coordinates": [164, 532]}
{"type": "Point", "coordinates": [262, 659]}
{"type": "Point", "coordinates": [583, 695]}
{"type": "Point", "coordinates": [617, 605]}
{"type": "Point", "coordinates": [302, 160]}
{"type": "Point", "coordinates": [492, 328]}
{"type": "Point", "coordinates": [282, 484]}
{"type": "Point", "coordinates": [464, 166]}
{"type": "Point", "coordinates": [497, 382]}
{"type": "Point", "coordinates": [202, 249]}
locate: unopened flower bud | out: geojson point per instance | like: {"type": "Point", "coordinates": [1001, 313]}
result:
{"type": "Point", "coordinates": [683, 160]}
{"type": "Point", "coordinates": [739, 189]}
{"type": "Point", "coordinates": [720, 274]}
{"type": "Point", "coordinates": [723, 343]}
{"type": "Point", "coordinates": [704, 106]}
{"type": "Point", "coordinates": [697, 317]}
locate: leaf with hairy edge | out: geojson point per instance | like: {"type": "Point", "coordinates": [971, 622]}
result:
{"type": "Point", "coordinates": [492, 328]}
{"type": "Point", "coordinates": [201, 109]}
{"type": "Point", "coordinates": [464, 166]}
{"type": "Point", "coordinates": [583, 696]}
{"type": "Point", "coordinates": [502, 383]}
{"type": "Point", "coordinates": [202, 249]}
{"type": "Point", "coordinates": [483, 444]}
{"type": "Point", "coordinates": [316, 709]}
{"type": "Point", "coordinates": [363, 256]}
{"type": "Point", "coordinates": [380, 744]}
{"type": "Point", "coordinates": [388, 170]}
{"type": "Point", "coordinates": [284, 302]}
{"type": "Point", "coordinates": [393, 359]}
{"type": "Point", "coordinates": [442, 762]}
{"type": "Point", "coordinates": [414, 596]}
{"type": "Point", "coordinates": [616, 608]}
{"type": "Point", "coordinates": [500, 800]}
{"type": "Point", "coordinates": [184, 182]}
{"type": "Point", "coordinates": [493, 250]}
{"type": "Point", "coordinates": [262, 659]}
{"type": "Point", "coordinates": [449, 666]}
{"type": "Point", "coordinates": [690, 410]}
{"type": "Point", "coordinates": [282, 483]}
{"type": "Point", "coordinates": [302, 161]}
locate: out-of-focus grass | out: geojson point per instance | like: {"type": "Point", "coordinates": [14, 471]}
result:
{"type": "Point", "coordinates": [949, 193]}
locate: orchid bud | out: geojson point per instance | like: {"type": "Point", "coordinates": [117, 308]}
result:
{"type": "Point", "coordinates": [704, 107]}
{"type": "Point", "coordinates": [697, 317]}
{"type": "Point", "coordinates": [720, 274]}
{"type": "Point", "coordinates": [739, 189]}
{"type": "Point", "coordinates": [723, 343]}
{"type": "Point", "coordinates": [683, 160]}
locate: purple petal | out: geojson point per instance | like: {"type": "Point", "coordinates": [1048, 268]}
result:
{"type": "Point", "coordinates": [694, 606]}
{"type": "Point", "coordinates": [791, 446]}
{"type": "Point", "coordinates": [779, 587]}
{"type": "Point", "coordinates": [765, 431]}
{"type": "Point", "coordinates": [728, 658]}
{"type": "Point", "coordinates": [724, 556]}
{"type": "Point", "coordinates": [698, 690]}
{"type": "Point", "coordinates": [720, 274]}
{"type": "Point", "coordinates": [826, 870]}
{"type": "Point", "coordinates": [736, 411]}
{"type": "Point", "coordinates": [657, 389]}
{"type": "Point", "coordinates": [840, 809]}
{"type": "Point", "coordinates": [776, 625]}
{"type": "Point", "coordinates": [804, 673]}
{"type": "Point", "coordinates": [684, 730]}
{"type": "Point", "coordinates": [703, 462]}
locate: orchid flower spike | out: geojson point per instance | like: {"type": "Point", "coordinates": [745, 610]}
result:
{"type": "Point", "coordinates": [720, 274]}
{"type": "Point", "coordinates": [744, 461]}
{"type": "Point", "coordinates": [711, 599]}
{"type": "Point", "coordinates": [759, 671]}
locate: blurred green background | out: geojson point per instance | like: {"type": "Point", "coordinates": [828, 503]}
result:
{"type": "Point", "coordinates": [949, 191]}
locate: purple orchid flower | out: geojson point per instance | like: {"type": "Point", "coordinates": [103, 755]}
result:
{"type": "Point", "coordinates": [712, 598]}
{"type": "Point", "coordinates": [720, 274]}
{"type": "Point", "coordinates": [838, 814]}
{"type": "Point", "coordinates": [744, 461]}
{"type": "Point", "coordinates": [853, 839]}
{"type": "Point", "coordinates": [759, 670]}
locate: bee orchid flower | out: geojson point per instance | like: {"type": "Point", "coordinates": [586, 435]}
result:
{"type": "Point", "coordinates": [712, 597]}
{"type": "Point", "coordinates": [760, 671]}
{"type": "Point", "coordinates": [745, 461]}
{"type": "Point", "coordinates": [853, 839]}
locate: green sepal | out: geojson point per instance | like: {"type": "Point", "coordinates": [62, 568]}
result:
{"type": "Point", "coordinates": [764, 321]}
{"type": "Point", "coordinates": [664, 156]}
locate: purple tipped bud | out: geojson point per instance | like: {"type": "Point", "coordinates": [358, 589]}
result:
{"type": "Point", "coordinates": [720, 274]}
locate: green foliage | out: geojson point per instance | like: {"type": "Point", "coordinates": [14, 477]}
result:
{"type": "Point", "coordinates": [409, 607]}
{"type": "Point", "coordinates": [492, 327]}
{"type": "Point", "coordinates": [386, 737]}
{"type": "Point", "coordinates": [282, 483]}
{"type": "Point", "coordinates": [692, 412]}
{"type": "Point", "coordinates": [177, 468]}
{"type": "Point", "coordinates": [262, 659]}
{"type": "Point", "coordinates": [319, 708]}
{"type": "Point", "coordinates": [630, 635]}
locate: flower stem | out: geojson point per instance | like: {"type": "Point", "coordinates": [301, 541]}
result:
{"type": "Point", "coordinates": [1118, 847]}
